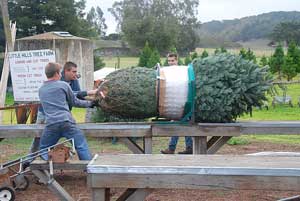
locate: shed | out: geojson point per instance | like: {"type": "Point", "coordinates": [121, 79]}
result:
{"type": "Point", "coordinates": [67, 48]}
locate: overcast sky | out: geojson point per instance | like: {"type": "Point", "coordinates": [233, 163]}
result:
{"type": "Point", "coordinates": [214, 9]}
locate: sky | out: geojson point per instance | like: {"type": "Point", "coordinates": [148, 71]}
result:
{"type": "Point", "coordinates": [209, 10]}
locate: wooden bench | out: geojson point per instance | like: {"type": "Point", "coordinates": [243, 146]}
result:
{"type": "Point", "coordinates": [140, 174]}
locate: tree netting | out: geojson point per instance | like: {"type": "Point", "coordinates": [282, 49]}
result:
{"type": "Point", "coordinates": [227, 86]}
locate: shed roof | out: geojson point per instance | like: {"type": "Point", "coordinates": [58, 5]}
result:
{"type": "Point", "coordinates": [54, 35]}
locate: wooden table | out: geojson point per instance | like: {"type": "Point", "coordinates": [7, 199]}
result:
{"type": "Point", "coordinates": [208, 137]}
{"type": "Point", "coordinates": [140, 174]}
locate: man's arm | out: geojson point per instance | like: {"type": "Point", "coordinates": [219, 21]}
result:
{"type": "Point", "coordinates": [74, 101]}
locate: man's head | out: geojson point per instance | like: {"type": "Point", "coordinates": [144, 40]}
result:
{"type": "Point", "coordinates": [70, 71]}
{"type": "Point", "coordinates": [52, 71]}
{"type": "Point", "coordinates": [172, 59]}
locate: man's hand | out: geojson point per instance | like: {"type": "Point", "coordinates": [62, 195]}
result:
{"type": "Point", "coordinates": [95, 103]}
{"type": "Point", "coordinates": [92, 92]}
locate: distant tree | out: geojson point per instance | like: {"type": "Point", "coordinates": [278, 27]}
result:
{"type": "Point", "coordinates": [145, 55]}
{"type": "Point", "coordinates": [287, 32]}
{"type": "Point", "coordinates": [154, 58]}
{"type": "Point", "coordinates": [223, 50]}
{"type": "Point", "coordinates": [204, 54]}
{"type": "Point", "coordinates": [39, 16]}
{"type": "Point", "coordinates": [277, 61]}
{"type": "Point", "coordinates": [243, 53]}
{"type": "Point", "coordinates": [194, 55]}
{"type": "Point", "coordinates": [95, 18]}
{"type": "Point", "coordinates": [217, 51]}
{"type": "Point", "coordinates": [161, 23]}
{"type": "Point", "coordinates": [294, 53]}
{"type": "Point", "coordinates": [289, 68]}
{"type": "Point", "coordinates": [187, 59]}
{"type": "Point", "coordinates": [263, 61]}
{"type": "Point", "coordinates": [98, 63]}
{"type": "Point", "coordinates": [113, 36]}
{"type": "Point", "coordinates": [250, 55]}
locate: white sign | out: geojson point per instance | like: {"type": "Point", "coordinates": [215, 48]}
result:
{"type": "Point", "coordinates": [28, 72]}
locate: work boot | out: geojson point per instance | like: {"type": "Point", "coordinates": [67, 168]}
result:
{"type": "Point", "coordinates": [167, 151]}
{"type": "Point", "coordinates": [188, 150]}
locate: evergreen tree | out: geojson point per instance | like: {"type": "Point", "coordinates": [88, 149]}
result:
{"type": "Point", "coordinates": [223, 50]}
{"type": "Point", "coordinates": [145, 55]}
{"type": "Point", "coordinates": [98, 63]}
{"type": "Point", "coordinates": [194, 55]}
{"type": "Point", "coordinates": [250, 55]}
{"type": "Point", "coordinates": [187, 59]}
{"type": "Point", "coordinates": [263, 61]}
{"type": "Point", "coordinates": [204, 54]}
{"type": "Point", "coordinates": [289, 68]}
{"type": "Point", "coordinates": [154, 59]}
{"type": "Point", "coordinates": [294, 53]}
{"type": "Point", "coordinates": [277, 61]}
{"type": "Point", "coordinates": [217, 51]}
{"type": "Point", "coordinates": [243, 53]}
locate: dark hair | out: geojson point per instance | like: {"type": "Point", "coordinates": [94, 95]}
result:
{"type": "Point", "coordinates": [172, 54]}
{"type": "Point", "coordinates": [52, 68]}
{"type": "Point", "coordinates": [69, 64]}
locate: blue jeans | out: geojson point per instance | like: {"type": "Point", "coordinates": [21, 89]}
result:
{"type": "Point", "coordinates": [52, 133]}
{"type": "Point", "coordinates": [174, 140]}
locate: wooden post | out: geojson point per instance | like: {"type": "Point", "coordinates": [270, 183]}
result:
{"type": "Point", "coordinates": [10, 32]}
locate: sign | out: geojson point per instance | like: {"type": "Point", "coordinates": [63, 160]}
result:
{"type": "Point", "coordinates": [28, 72]}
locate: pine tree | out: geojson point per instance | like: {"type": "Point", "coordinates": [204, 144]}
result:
{"type": "Point", "coordinates": [289, 68]}
{"type": "Point", "coordinates": [250, 55]}
{"type": "Point", "coordinates": [263, 61]}
{"type": "Point", "coordinates": [277, 61]}
{"type": "Point", "coordinates": [154, 59]}
{"type": "Point", "coordinates": [194, 55]}
{"type": "Point", "coordinates": [204, 54]}
{"type": "Point", "coordinates": [187, 59]}
{"type": "Point", "coordinates": [294, 53]}
{"type": "Point", "coordinates": [226, 87]}
{"type": "Point", "coordinates": [145, 55]}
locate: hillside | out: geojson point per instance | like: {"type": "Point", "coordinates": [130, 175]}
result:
{"type": "Point", "coordinates": [228, 32]}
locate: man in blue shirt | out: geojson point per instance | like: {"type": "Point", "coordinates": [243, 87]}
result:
{"type": "Point", "coordinates": [69, 74]}
{"type": "Point", "coordinates": [57, 99]}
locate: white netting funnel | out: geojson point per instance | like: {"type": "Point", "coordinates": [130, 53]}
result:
{"type": "Point", "coordinates": [173, 91]}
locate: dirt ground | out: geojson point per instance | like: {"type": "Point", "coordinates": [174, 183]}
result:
{"type": "Point", "coordinates": [75, 184]}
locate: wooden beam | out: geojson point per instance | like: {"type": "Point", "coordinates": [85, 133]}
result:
{"type": "Point", "coordinates": [200, 145]}
{"type": "Point", "coordinates": [218, 144]}
{"type": "Point", "coordinates": [135, 148]}
{"type": "Point", "coordinates": [69, 165]}
{"type": "Point", "coordinates": [10, 36]}
{"type": "Point", "coordinates": [195, 172]}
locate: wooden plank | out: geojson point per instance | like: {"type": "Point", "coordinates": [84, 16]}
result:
{"type": "Point", "coordinates": [195, 172]}
{"type": "Point", "coordinates": [69, 165]}
{"type": "Point", "coordinates": [134, 147]}
{"type": "Point", "coordinates": [214, 164]}
{"type": "Point", "coordinates": [91, 130]}
{"type": "Point", "coordinates": [126, 194]}
{"type": "Point", "coordinates": [147, 145]}
{"type": "Point", "coordinates": [265, 127]}
{"type": "Point", "coordinates": [190, 181]}
{"type": "Point", "coordinates": [212, 141]}
{"type": "Point", "coordinates": [100, 194]}
{"type": "Point", "coordinates": [139, 194]}
{"type": "Point", "coordinates": [167, 130]}
{"type": "Point", "coordinates": [217, 145]}
{"type": "Point", "coordinates": [200, 145]}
